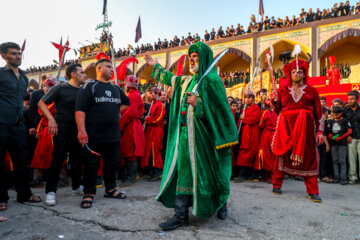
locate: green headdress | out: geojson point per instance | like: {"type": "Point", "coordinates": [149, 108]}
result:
{"type": "Point", "coordinates": [206, 57]}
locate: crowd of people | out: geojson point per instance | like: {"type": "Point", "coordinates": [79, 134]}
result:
{"type": "Point", "coordinates": [344, 69]}
{"type": "Point", "coordinates": [233, 78]}
{"type": "Point", "coordinates": [60, 130]}
{"type": "Point", "coordinates": [338, 10]}
{"type": "Point", "coordinates": [52, 67]}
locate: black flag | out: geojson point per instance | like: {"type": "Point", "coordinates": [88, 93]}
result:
{"type": "Point", "coordinates": [261, 8]}
{"type": "Point", "coordinates": [138, 31]}
{"type": "Point", "coordinates": [104, 7]}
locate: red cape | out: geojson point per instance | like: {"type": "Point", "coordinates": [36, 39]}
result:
{"type": "Point", "coordinates": [153, 136]}
{"type": "Point", "coordinates": [132, 134]}
{"type": "Point", "coordinates": [250, 133]}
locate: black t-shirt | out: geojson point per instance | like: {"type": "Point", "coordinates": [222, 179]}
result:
{"type": "Point", "coordinates": [101, 103]}
{"type": "Point", "coordinates": [338, 128]}
{"type": "Point", "coordinates": [207, 36]}
{"type": "Point", "coordinates": [64, 96]}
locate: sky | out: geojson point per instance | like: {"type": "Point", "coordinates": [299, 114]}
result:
{"type": "Point", "coordinates": [42, 21]}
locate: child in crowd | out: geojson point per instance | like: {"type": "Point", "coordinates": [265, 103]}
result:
{"type": "Point", "coordinates": [337, 131]}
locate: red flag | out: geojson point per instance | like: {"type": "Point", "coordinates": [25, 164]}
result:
{"type": "Point", "coordinates": [138, 31]}
{"type": "Point", "coordinates": [261, 8]}
{"type": "Point", "coordinates": [61, 49]}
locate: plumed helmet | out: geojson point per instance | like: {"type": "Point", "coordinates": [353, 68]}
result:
{"type": "Point", "coordinates": [332, 60]}
{"type": "Point", "coordinates": [304, 65]}
{"type": "Point", "coordinates": [131, 81]}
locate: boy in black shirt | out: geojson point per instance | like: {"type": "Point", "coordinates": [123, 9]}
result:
{"type": "Point", "coordinates": [337, 131]}
{"type": "Point", "coordinates": [63, 130]}
{"type": "Point", "coordinates": [98, 105]}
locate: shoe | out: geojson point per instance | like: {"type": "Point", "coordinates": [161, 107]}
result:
{"type": "Point", "coordinates": [132, 173]}
{"type": "Point", "coordinates": [222, 213]}
{"type": "Point", "coordinates": [315, 198]}
{"type": "Point", "coordinates": [99, 183]}
{"type": "Point", "coordinates": [36, 183]}
{"type": "Point", "coordinates": [181, 217]}
{"type": "Point", "coordinates": [343, 182]}
{"type": "Point", "coordinates": [63, 182]}
{"type": "Point", "coordinates": [50, 199]}
{"type": "Point", "coordinates": [352, 182]}
{"type": "Point", "coordinates": [276, 191]}
{"type": "Point", "coordinates": [78, 191]}
{"type": "Point", "coordinates": [239, 179]}
{"type": "Point", "coordinates": [336, 181]}
{"type": "Point", "coordinates": [156, 177]}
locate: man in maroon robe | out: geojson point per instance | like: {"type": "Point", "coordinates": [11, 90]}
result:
{"type": "Point", "coordinates": [153, 137]}
{"type": "Point", "coordinates": [249, 138]}
{"type": "Point", "coordinates": [299, 128]}
{"type": "Point", "coordinates": [132, 135]}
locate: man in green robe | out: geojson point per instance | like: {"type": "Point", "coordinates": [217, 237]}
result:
{"type": "Point", "coordinates": [201, 131]}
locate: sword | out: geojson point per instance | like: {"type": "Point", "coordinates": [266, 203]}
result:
{"type": "Point", "coordinates": [209, 70]}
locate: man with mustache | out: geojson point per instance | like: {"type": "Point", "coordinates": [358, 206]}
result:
{"type": "Point", "coordinates": [201, 131]}
{"type": "Point", "coordinates": [300, 127]}
{"type": "Point", "coordinates": [13, 85]}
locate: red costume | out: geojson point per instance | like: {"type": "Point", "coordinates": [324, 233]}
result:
{"type": "Point", "coordinates": [333, 74]}
{"type": "Point", "coordinates": [294, 140]}
{"type": "Point", "coordinates": [132, 134]}
{"type": "Point", "coordinates": [154, 135]}
{"type": "Point", "coordinates": [43, 152]}
{"type": "Point", "coordinates": [250, 133]}
{"type": "Point", "coordinates": [265, 157]}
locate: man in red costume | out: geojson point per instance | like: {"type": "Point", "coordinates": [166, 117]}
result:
{"type": "Point", "coordinates": [294, 142]}
{"type": "Point", "coordinates": [250, 133]}
{"type": "Point", "coordinates": [153, 137]}
{"type": "Point", "coordinates": [265, 157]}
{"type": "Point", "coordinates": [333, 74]}
{"type": "Point", "coordinates": [132, 134]}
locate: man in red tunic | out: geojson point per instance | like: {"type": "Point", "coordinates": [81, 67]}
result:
{"type": "Point", "coordinates": [265, 158]}
{"type": "Point", "coordinates": [153, 137]}
{"type": "Point", "coordinates": [132, 135]}
{"type": "Point", "coordinates": [294, 142]}
{"type": "Point", "coordinates": [333, 74]}
{"type": "Point", "coordinates": [249, 138]}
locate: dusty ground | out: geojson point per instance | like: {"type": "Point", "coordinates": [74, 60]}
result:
{"type": "Point", "coordinates": [254, 213]}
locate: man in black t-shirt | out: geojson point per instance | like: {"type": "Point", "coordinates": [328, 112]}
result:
{"type": "Point", "coordinates": [98, 105]}
{"type": "Point", "coordinates": [206, 36]}
{"type": "Point", "coordinates": [63, 129]}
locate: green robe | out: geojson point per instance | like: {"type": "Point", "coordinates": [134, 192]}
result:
{"type": "Point", "coordinates": [202, 148]}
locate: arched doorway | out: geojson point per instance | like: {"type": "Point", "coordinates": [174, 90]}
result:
{"type": "Point", "coordinates": [234, 67]}
{"type": "Point", "coordinates": [345, 46]}
{"type": "Point", "coordinates": [280, 47]}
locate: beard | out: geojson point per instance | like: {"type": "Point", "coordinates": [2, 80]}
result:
{"type": "Point", "coordinates": [296, 79]}
{"type": "Point", "coordinates": [194, 70]}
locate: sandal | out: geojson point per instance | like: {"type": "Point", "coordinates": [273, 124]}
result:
{"type": "Point", "coordinates": [112, 194]}
{"type": "Point", "coordinates": [87, 203]}
{"type": "Point", "coordinates": [325, 179]}
{"type": "Point", "coordinates": [3, 206]}
{"type": "Point", "coordinates": [32, 199]}
{"type": "Point", "coordinates": [2, 219]}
